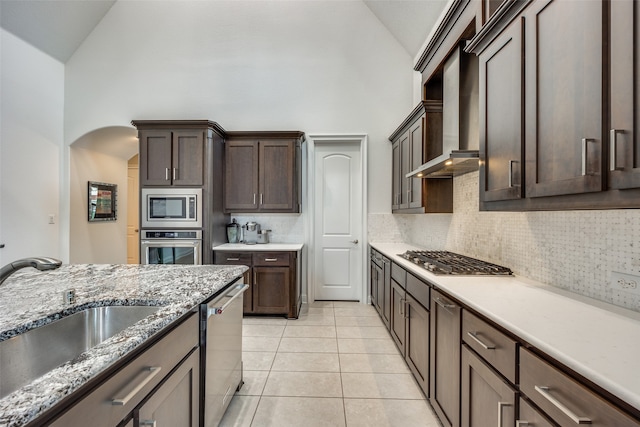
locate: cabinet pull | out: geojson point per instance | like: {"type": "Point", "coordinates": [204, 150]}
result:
{"type": "Point", "coordinates": [474, 336]}
{"type": "Point", "coordinates": [500, 406]}
{"type": "Point", "coordinates": [401, 306]}
{"type": "Point", "coordinates": [151, 423]}
{"type": "Point", "coordinates": [261, 198]}
{"type": "Point", "coordinates": [151, 372]}
{"type": "Point", "coordinates": [544, 391]}
{"type": "Point", "coordinates": [174, 174]}
{"type": "Point", "coordinates": [511, 162]}
{"type": "Point", "coordinates": [585, 141]}
{"type": "Point", "coordinates": [271, 259]}
{"type": "Point", "coordinates": [406, 311]}
{"type": "Point", "coordinates": [233, 259]}
{"type": "Point", "coordinates": [166, 174]}
{"type": "Point", "coordinates": [444, 304]}
{"type": "Point", "coordinates": [613, 150]}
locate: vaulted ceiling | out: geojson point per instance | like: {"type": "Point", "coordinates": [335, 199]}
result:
{"type": "Point", "coordinates": [59, 27]}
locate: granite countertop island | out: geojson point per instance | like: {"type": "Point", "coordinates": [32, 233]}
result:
{"type": "Point", "coordinates": [597, 340]}
{"type": "Point", "coordinates": [29, 299]}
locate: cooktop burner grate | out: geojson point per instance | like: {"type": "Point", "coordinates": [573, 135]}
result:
{"type": "Point", "coordinates": [444, 262]}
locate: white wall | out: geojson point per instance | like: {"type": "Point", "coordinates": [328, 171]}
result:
{"type": "Point", "coordinates": [31, 150]}
{"type": "Point", "coordinates": [321, 66]}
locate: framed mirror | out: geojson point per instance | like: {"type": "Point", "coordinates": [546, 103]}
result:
{"type": "Point", "coordinates": [102, 201]}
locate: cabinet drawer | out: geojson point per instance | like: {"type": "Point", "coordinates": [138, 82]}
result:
{"type": "Point", "coordinates": [491, 344]}
{"type": "Point", "coordinates": [563, 398]}
{"type": "Point", "coordinates": [133, 382]}
{"type": "Point", "coordinates": [266, 259]}
{"type": "Point", "coordinates": [419, 290]}
{"type": "Point", "coordinates": [233, 258]}
{"type": "Point", "coordinates": [399, 274]}
{"type": "Point", "coordinates": [531, 416]}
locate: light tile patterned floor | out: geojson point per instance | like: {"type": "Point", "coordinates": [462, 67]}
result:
{"type": "Point", "coordinates": [335, 366]}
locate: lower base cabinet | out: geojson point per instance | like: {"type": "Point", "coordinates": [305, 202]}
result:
{"type": "Point", "coordinates": [417, 342]}
{"type": "Point", "coordinates": [161, 384]}
{"type": "Point", "coordinates": [486, 399]}
{"type": "Point", "coordinates": [175, 402]}
{"type": "Point", "coordinates": [272, 280]}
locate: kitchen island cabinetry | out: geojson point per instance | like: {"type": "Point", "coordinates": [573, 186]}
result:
{"type": "Point", "coordinates": [444, 384]}
{"type": "Point", "coordinates": [274, 286]}
{"type": "Point", "coordinates": [125, 391]}
{"type": "Point", "coordinates": [414, 142]}
{"type": "Point", "coordinates": [624, 133]}
{"type": "Point", "coordinates": [263, 172]}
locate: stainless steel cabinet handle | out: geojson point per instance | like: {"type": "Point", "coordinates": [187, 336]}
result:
{"type": "Point", "coordinates": [233, 259]}
{"type": "Point", "coordinates": [613, 149]}
{"type": "Point", "coordinates": [254, 198]}
{"type": "Point", "coordinates": [474, 336]}
{"type": "Point", "coordinates": [261, 198]}
{"type": "Point", "coordinates": [500, 406]}
{"type": "Point", "coordinates": [544, 391]}
{"type": "Point", "coordinates": [444, 304]}
{"type": "Point", "coordinates": [236, 292]}
{"type": "Point", "coordinates": [585, 141]}
{"type": "Point", "coordinates": [166, 174]}
{"type": "Point", "coordinates": [149, 372]}
{"type": "Point", "coordinates": [151, 423]}
{"type": "Point", "coordinates": [174, 174]}
{"type": "Point", "coordinates": [401, 306]}
{"type": "Point", "coordinates": [511, 162]}
{"type": "Point", "coordinates": [271, 259]}
{"type": "Point", "coordinates": [406, 311]}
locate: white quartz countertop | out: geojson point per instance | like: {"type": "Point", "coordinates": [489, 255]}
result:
{"type": "Point", "coordinates": [597, 340]}
{"type": "Point", "coordinates": [29, 299]}
{"type": "Point", "coordinates": [266, 247]}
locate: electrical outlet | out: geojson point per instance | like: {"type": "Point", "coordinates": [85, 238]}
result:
{"type": "Point", "coordinates": [626, 282]}
{"type": "Point", "coordinates": [52, 219]}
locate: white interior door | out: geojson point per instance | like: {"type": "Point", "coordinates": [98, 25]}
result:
{"type": "Point", "coordinates": [338, 221]}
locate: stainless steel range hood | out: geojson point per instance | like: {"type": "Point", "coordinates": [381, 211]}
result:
{"type": "Point", "coordinates": [460, 139]}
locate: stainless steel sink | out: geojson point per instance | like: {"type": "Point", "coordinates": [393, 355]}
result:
{"type": "Point", "coordinates": [34, 353]}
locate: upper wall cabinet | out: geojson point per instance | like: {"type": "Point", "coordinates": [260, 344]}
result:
{"type": "Point", "coordinates": [262, 172]}
{"type": "Point", "coordinates": [563, 92]}
{"type": "Point", "coordinates": [411, 143]}
{"type": "Point", "coordinates": [172, 157]}
{"type": "Point", "coordinates": [558, 108]}
{"type": "Point", "coordinates": [624, 133]}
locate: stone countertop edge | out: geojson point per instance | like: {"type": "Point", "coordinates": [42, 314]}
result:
{"type": "Point", "coordinates": [29, 299]}
{"type": "Point", "coordinates": [595, 339]}
{"type": "Point", "coordinates": [260, 247]}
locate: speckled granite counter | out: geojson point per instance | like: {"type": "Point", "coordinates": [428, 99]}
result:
{"type": "Point", "coordinates": [29, 299]}
{"type": "Point", "coordinates": [598, 340]}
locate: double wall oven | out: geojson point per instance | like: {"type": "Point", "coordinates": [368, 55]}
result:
{"type": "Point", "coordinates": [171, 226]}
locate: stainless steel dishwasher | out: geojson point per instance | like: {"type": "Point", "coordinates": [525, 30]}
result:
{"type": "Point", "coordinates": [221, 352]}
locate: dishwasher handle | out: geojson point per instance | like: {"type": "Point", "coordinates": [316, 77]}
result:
{"type": "Point", "coordinates": [234, 293]}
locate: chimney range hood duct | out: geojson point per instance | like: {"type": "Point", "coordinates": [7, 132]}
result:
{"type": "Point", "coordinates": [460, 120]}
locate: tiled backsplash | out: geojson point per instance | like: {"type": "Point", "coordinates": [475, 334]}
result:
{"type": "Point", "coordinates": [285, 228]}
{"type": "Point", "coordinates": [575, 250]}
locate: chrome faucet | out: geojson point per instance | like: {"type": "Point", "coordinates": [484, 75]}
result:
{"type": "Point", "coordinates": [39, 263]}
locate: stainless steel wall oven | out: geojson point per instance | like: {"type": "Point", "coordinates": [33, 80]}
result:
{"type": "Point", "coordinates": [171, 247]}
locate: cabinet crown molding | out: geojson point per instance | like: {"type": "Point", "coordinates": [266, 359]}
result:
{"type": "Point", "coordinates": [420, 109]}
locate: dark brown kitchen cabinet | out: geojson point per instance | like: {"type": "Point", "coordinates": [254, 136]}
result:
{"type": "Point", "coordinates": [172, 157]}
{"type": "Point", "coordinates": [501, 124]}
{"type": "Point", "coordinates": [563, 97]}
{"type": "Point", "coordinates": [528, 416]}
{"type": "Point", "coordinates": [411, 143]}
{"type": "Point", "coordinates": [262, 172]}
{"type": "Point", "coordinates": [175, 402]}
{"type": "Point", "coordinates": [624, 132]}
{"type": "Point", "coordinates": [380, 285]}
{"type": "Point", "coordinates": [165, 374]}
{"type": "Point", "coordinates": [444, 378]}
{"type": "Point", "coordinates": [487, 400]}
{"type": "Point", "coordinates": [272, 278]}
{"type": "Point", "coordinates": [563, 399]}
{"type": "Point", "coordinates": [398, 324]}
{"type": "Point", "coordinates": [417, 341]}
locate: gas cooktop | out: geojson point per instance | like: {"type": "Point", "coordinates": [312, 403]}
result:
{"type": "Point", "coordinates": [444, 262]}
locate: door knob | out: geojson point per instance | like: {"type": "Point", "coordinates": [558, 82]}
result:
{"type": "Point", "coordinates": [355, 241]}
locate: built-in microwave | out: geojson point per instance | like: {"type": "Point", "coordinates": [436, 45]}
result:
{"type": "Point", "coordinates": [171, 207]}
